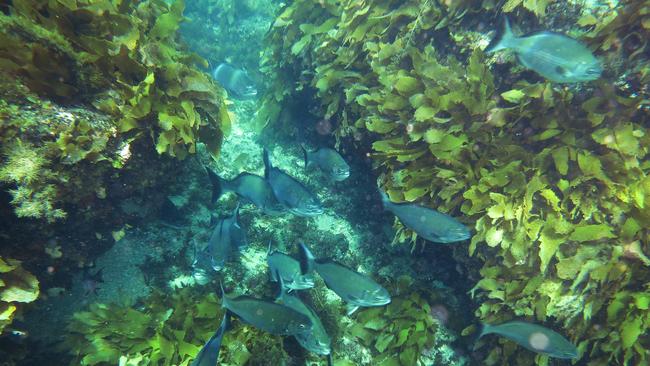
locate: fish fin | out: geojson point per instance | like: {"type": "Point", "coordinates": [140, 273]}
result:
{"type": "Point", "coordinates": [385, 201]}
{"type": "Point", "coordinates": [504, 38]}
{"type": "Point", "coordinates": [330, 362]}
{"type": "Point", "coordinates": [305, 154]}
{"type": "Point", "coordinates": [350, 309]}
{"type": "Point", "coordinates": [217, 183]}
{"type": "Point", "coordinates": [267, 163]}
{"type": "Point", "coordinates": [306, 259]}
{"type": "Point", "coordinates": [268, 251]}
{"type": "Point", "coordinates": [281, 283]}
{"type": "Point", "coordinates": [223, 295]}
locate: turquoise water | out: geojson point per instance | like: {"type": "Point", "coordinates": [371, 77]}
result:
{"type": "Point", "coordinates": [417, 170]}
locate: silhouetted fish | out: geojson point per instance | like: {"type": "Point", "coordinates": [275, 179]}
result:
{"type": "Point", "coordinates": [209, 354]}
{"type": "Point", "coordinates": [354, 288]}
{"type": "Point", "coordinates": [291, 193]}
{"type": "Point", "coordinates": [226, 236]}
{"type": "Point", "coordinates": [268, 316]}
{"type": "Point", "coordinates": [534, 337]}
{"type": "Point", "coordinates": [426, 222]}
{"type": "Point", "coordinates": [249, 186]}
{"type": "Point", "coordinates": [235, 81]}
{"type": "Point", "coordinates": [554, 56]}
{"type": "Point", "coordinates": [329, 161]}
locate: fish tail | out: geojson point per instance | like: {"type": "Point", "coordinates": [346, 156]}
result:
{"type": "Point", "coordinates": [305, 154]}
{"type": "Point", "coordinates": [306, 259]}
{"type": "Point", "coordinates": [267, 164]}
{"type": "Point", "coordinates": [504, 38]}
{"type": "Point", "coordinates": [217, 184]}
{"type": "Point", "coordinates": [485, 329]}
{"type": "Point", "coordinates": [223, 295]}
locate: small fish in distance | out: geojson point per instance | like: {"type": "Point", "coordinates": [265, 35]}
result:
{"type": "Point", "coordinates": [556, 57]}
{"type": "Point", "coordinates": [235, 81]}
{"type": "Point", "coordinates": [226, 236]}
{"type": "Point", "coordinates": [329, 161]}
{"type": "Point", "coordinates": [291, 193]}
{"type": "Point", "coordinates": [534, 337]}
{"type": "Point", "coordinates": [249, 186]}
{"type": "Point", "coordinates": [426, 222]}
{"type": "Point", "coordinates": [315, 340]}
{"type": "Point", "coordinates": [356, 289]}
{"type": "Point", "coordinates": [268, 316]}
{"type": "Point", "coordinates": [209, 354]}
{"type": "Point", "coordinates": [288, 268]}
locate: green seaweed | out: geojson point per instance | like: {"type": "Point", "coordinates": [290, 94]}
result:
{"type": "Point", "coordinates": [554, 180]}
{"type": "Point", "coordinates": [122, 59]}
{"type": "Point", "coordinates": [169, 330]}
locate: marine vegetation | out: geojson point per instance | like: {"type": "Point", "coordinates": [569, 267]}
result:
{"type": "Point", "coordinates": [553, 179]}
{"type": "Point", "coordinates": [17, 287]}
{"type": "Point", "coordinates": [120, 59]}
{"type": "Point", "coordinates": [408, 331]}
{"type": "Point", "coordinates": [167, 330]}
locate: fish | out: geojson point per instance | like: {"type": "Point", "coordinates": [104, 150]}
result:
{"type": "Point", "coordinates": [201, 264]}
{"type": "Point", "coordinates": [315, 340]}
{"type": "Point", "coordinates": [329, 161]}
{"type": "Point", "coordinates": [428, 223]}
{"type": "Point", "coordinates": [554, 56]}
{"type": "Point", "coordinates": [90, 282]}
{"type": "Point", "coordinates": [290, 192]}
{"type": "Point", "coordinates": [209, 354]}
{"type": "Point", "coordinates": [355, 289]}
{"type": "Point", "coordinates": [226, 236]}
{"type": "Point", "coordinates": [534, 337]}
{"type": "Point", "coordinates": [287, 269]}
{"type": "Point", "coordinates": [248, 186]}
{"type": "Point", "coordinates": [235, 81]}
{"type": "Point", "coordinates": [268, 316]}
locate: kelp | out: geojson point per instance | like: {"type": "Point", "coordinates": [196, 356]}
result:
{"type": "Point", "coordinates": [554, 180]}
{"type": "Point", "coordinates": [169, 330]}
{"type": "Point", "coordinates": [17, 287]}
{"type": "Point", "coordinates": [122, 59]}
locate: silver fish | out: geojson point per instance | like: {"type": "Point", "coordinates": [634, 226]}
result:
{"type": "Point", "coordinates": [209, 354]}
{"type": "Point", "coordinates": [315, 340]}
{"type": "Point", "coordinates": [329, 161]}
{"type": "Point", "coordinates": [355, 289]}
{"type": "Point", "coordinates": [226, 236]}
{"type": "Point", "coordinates": [235, 81]}
{"type": "Point", "coordinates": [287, 269]}
{"type": "Point", "coordinates": [426, 222]}
{"type": "Point", "coordinates": [534, 337]}
{"type": "Point", "coordinates": [268, 316]}
{"type": "Point", "coordinates": [249, 186]}
{"type": "Point", "coordinates": [291, 193]}
{"type": "Point", "coordinates": [554, 56]}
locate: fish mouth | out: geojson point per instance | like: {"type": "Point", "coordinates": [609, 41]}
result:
{"type": "Point", "coordinates": [341, 174]}
{"type": "Point", "coordinates": [309, 211]}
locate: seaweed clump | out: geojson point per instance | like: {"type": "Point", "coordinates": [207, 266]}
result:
{"type": "Point", "coordinates": [554, 180]}
{"type": "Point", "coordinates": [120, 61]}
{"type": "Point", "coordinates": [17, 287]}
{"type": "Point", "coordinates": [168, 330]}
